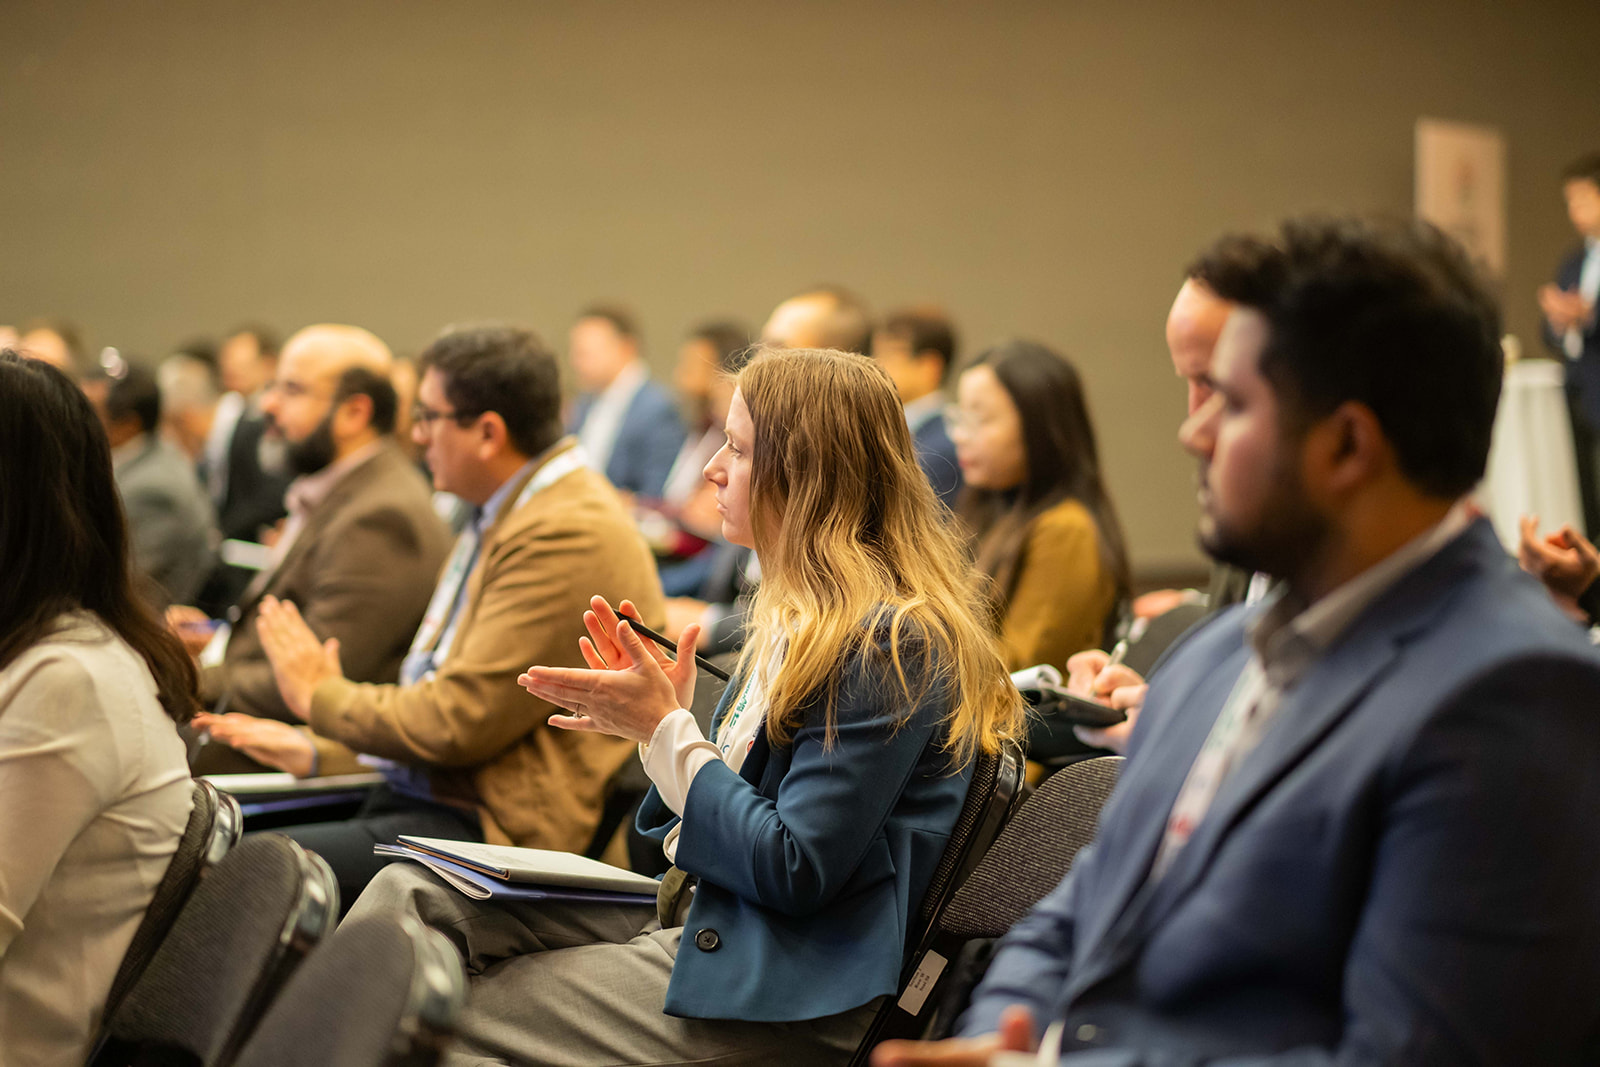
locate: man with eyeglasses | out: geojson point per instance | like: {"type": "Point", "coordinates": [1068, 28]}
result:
{"type": "Point", "coordinates": [464, 753]}
{"type": "Point", "coordinates": [361, 546]}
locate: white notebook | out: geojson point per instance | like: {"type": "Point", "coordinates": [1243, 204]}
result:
{"type": "Point", "coordinates": [535, 866]}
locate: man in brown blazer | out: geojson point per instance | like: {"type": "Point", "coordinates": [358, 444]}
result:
{"type": "Point", "coordinates": [466, 752]}
{"type": "Point", "coordinates": [361, 547]}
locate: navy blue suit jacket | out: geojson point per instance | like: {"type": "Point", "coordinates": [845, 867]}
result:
{"type": "Point", "coordinates": [647, 443]}
{"type": "Point", "coordinates": [1583, 373]}
{"type": "Point", "coordinates": [812, 859]}
{"type": "Point", "coordinates": [937, 455]}
{"type": "Point", "coordinates": [1405, 870]}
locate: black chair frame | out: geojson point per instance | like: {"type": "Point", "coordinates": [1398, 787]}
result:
{"type": "Point", "coordinates": [997, 786]}
{"type": "Point", "coordinates": [314, 912]}
{"type": "Point", "coordinates": [215, 825]}
{"type": "Point", "coordinates": [428, 1008]}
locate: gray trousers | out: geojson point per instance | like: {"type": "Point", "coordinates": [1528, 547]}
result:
{"type": "Point", "coordinates": [582, 985]}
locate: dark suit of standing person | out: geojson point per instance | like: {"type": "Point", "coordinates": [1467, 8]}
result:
{"type": "Point", "coordinates": [361, 547]}
{"type": "Point", "coordinates": [1572, 329]}
{"type": "Point", "coordinates": [627, 423]}
{"type": "Point", "coordinates": [916, 347]}
{"type": "Point", "coordinates": [1359, 824]}
{"type": "Point", "coordinates": [170, 522]}
{"type": "Point", "coordinates": [463, 754]}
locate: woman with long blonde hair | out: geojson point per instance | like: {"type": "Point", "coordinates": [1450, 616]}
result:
{"type": "Point", "coordinates": [813, 817]}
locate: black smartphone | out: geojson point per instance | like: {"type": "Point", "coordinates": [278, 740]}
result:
{"type": "Point", "coordinates": [1080, 711]}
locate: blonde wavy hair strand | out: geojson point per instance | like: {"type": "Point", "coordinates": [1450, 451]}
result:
{"type": "Point", "coordinates": [848, 530]}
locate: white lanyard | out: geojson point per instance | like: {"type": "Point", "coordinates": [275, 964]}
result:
{"type": "Point", "coordinates": [448, 592]}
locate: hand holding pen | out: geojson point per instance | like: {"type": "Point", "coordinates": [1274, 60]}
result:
{"type": "Point", "coordinates": [1102, 677]}
{"type": "Point", "coordinates": [630, 684]}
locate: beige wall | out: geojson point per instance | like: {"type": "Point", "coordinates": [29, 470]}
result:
{"type": "Point", "coordinates": [1041, 168]}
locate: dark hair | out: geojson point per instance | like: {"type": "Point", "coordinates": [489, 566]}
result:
{"type": "Point", "coordinates": [925, 329]}
{"type": "Point", "coordinates": [1585, 168]}
{"type": "Point", "coordinates": [1063, 464]}
{"type": "Point", "coordinates": [1236, 267]}
{"type": "Point", "coordinates": [63, 537]}
{"type": "Point", "coordinates": [134, 393]}
{"type": "Point", "coordinates": [1395, 317]}
{"type": "Point", "coordinates": [364, 381]}
{"type": "Point", "coordinates": [202, 348]}
{"type": "Point", "coordinates": [266, 338]}
{"type": "Point", "coordinates": [729, 339]}
{"type": "Point", "coordinates": [620, 319]}
{"type": "Point", "coordinates": [505, 370]}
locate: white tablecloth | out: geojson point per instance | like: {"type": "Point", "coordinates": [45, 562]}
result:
{"type": "Point", "coordinates": [1531, 465]}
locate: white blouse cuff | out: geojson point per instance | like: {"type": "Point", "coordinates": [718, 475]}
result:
{"type": "Point", "coordinates": [674, 755]}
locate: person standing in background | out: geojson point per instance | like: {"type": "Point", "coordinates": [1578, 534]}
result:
{"type": "Point", "coordinates": [626, 423]}
{"type": "Point", "coordinates": [1572, 330]}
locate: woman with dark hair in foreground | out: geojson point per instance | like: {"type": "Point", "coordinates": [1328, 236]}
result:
{"type": "Point", "coordinates": [94, 787]}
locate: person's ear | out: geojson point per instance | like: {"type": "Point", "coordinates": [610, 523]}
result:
{"type": "Point", "coordinates": [1347, 448]}
{"type": "Point", "coordinates": [493, 437]}
{"type": "Point", "coordinates": [352, 415]}
{"type": "Point", "coordinates": [931, 363]}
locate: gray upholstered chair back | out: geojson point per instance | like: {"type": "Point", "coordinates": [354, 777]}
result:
{"type": "Point", "coordinates": [382, 992]}
{"type": "Point", "coordinates": [188, 863]}
{"type": "Point", "coordinates": [1035, 850]}
{"type": "Point", "coordinates": [244, 929]}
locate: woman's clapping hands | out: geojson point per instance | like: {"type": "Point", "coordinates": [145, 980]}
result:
{"type": "Point", "coordinates": [632, 684]}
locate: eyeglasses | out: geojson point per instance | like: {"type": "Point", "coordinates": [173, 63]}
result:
{"type": "Point", "coordinates": [424, 416]}
{"type": "Point", "coordinates": [958, 421]}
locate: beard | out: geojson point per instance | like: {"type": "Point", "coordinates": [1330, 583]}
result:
{"type": "Point", "coordinates": [1285, 534]}
{"type": "Point", "coordinates": [313, 452]}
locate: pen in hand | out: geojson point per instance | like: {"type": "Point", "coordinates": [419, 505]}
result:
{"type": "Point", "coordinates": [1118, 652]}
{"type": "Point", "coordinates": [700, 661]}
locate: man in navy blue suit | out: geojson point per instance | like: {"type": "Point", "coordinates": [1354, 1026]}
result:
{"type": "Point", "coordinates": [1360, 822]}
{"type": "Point", "coordinates": [627, 423]}
{"type": "Point", "coordinates": [1572, 329]}
{"type": "Point", "coordinates": [916, 348]}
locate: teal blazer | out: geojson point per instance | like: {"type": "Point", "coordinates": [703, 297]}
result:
{"type": "Point", "coordinates": [812, 859]}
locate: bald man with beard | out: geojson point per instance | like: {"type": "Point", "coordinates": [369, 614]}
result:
{"type": "Point", "coordinates": [361, 547]}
